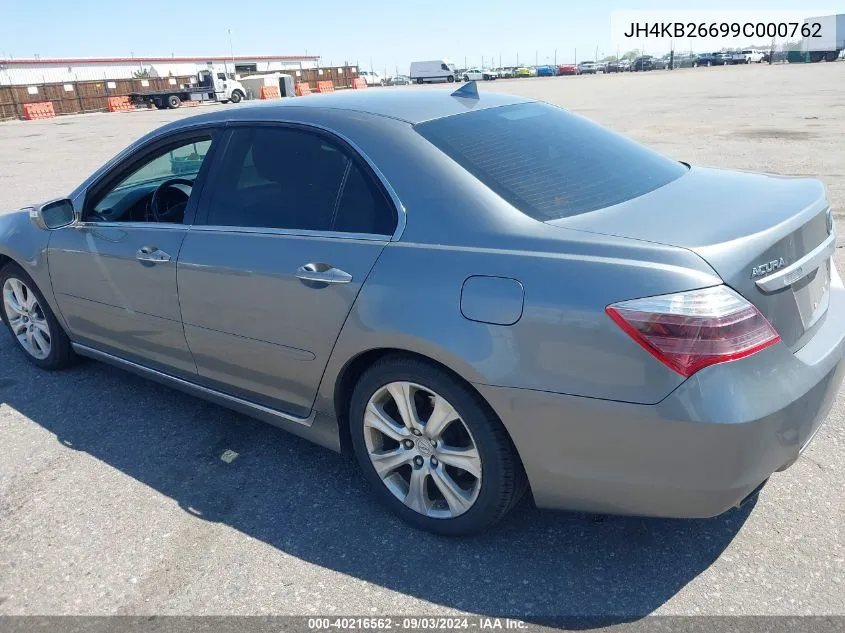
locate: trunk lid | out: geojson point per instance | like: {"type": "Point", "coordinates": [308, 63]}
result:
{"type": "Point", "coordinates": [768, 237]}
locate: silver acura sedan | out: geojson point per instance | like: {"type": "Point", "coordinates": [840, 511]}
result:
{"type": "Point", "coordinates": [479, 296]}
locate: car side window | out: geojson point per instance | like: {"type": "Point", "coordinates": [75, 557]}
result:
{"type": "Point", "coordinates": [144, 195]}
{"type": "Point", "coordinates": [292, 179]}
{"type": "Point", "coordinates": [444, 67]}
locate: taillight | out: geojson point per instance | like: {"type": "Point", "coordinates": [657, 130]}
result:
{"type": "Point", "coordinates": [690, 330]}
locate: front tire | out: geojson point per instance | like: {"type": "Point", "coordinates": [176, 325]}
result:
{"type": "Point", "coordinates": [420, 81]}
{"type": "Point", "coordinates": [450, 79]}
{"type": "Point", "coordinates": [31, 322]}
{"type": "Point", "coordinates": [431, 449]}
{"type": "Point", "coordinates": [236, 96]}
{"type": "Point", "coordinates": [173, 101]}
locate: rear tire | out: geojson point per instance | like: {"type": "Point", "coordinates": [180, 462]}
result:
{"type": "Point", "coordinates": [480, 500]}
{"type": "Point", "coordinates": [173, 101]}
{"type": "Point", "coordinates": [420, 81]}
{"type": "Point", "coordinates": [35, 322]}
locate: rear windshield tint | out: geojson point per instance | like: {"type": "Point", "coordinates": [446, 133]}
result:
{"type": "Point", "coordinates": [547, 162]}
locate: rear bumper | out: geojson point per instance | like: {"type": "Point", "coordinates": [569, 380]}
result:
{"type": "Point", "coordinates": [697, 453]}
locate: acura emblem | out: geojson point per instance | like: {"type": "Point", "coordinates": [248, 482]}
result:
{"type": "Point", "coordinates": [768, 267]}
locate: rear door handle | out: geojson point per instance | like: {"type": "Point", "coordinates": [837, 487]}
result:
{"type": "Point", "coordinates": [323, 273]}
{"type": "Point", "coordinates": [151, 254]}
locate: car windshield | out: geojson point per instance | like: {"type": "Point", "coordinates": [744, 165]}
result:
{"type": "Point", "coordinates": [547, 162]}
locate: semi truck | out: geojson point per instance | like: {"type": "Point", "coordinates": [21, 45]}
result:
{"type": "Point", "coordinates": [210, 86]}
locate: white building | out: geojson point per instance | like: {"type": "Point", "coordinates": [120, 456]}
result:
{"type": "Point", "coordinates": [40, 71]}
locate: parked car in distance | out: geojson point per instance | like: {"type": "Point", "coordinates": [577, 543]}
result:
{"type": "Point", "coordinates": [505, 72]}
{"type": "Point", "coordinates": [434, 70]}
{"type": "Point", "coordinates": [708, 351]}
{"type": "Point", "coordinates": [478, 74]}
{"type": "Point", "coordinates": [522, 71]}
{"type": "Point", "coordinates": [624, 65]}
{"type": "Point", "coordinates": [545, 71]}
{"type": "Point", "coordinates": [371, 78]}
{"type": "Point", "coordinates": [398, 80]}
{"type": "Point", "coordinates": [753, 56]}
{"type": "Point", "coordinates": [587, 68]}
{"type": "Point", "coordinates": [660, 63]}
{"type": "Point", "coordinates": [612, 66]}
{"type": "Point", "coordinates": [567, 69]}
{"type": "Point", "coordinates": [684, 59]}
{"type": "Point", "coordinates": [643, 63]}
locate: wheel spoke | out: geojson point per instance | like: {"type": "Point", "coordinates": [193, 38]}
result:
{"type": "Point", "coordinates": [459, 501]}
{"type": "Point", "coordinates": [417, 498]}
{"type": "Point", "coordinates": [30, 302]}
{"type": "Point", "coordinates": [467, 459]}
{"type": "Point", "coordinates": [41, 326]}
{"type": "Point", "coordinates": [41, 341]}
{"type": "Point", "coordinates": [387, 462]}
{"type": "Point", "coordinates": [30, 344]}
{"type": "Point", "coordinates": [19, 291]}
{"type": "Point", "coordinates": [377, 419]}
{"type": "Point", "coordinates": [11, 301]}
{"type": "Point", "coordinates": [17, 325]}
{"type": "Point", "coordinates": [441, 416]}
{"type": "Point", "coordinates": [403, 395]}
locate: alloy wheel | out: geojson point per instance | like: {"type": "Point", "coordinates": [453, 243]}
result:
{"type": "Point", "coordinates": [26, 318]}
{"type": "Point", "coordinates": [422, 450]}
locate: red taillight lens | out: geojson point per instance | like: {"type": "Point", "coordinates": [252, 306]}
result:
{"type": "Point", "coordinates": [690, 330]}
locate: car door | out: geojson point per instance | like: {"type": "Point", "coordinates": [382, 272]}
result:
{"type": "Point", "coordinates": [114, 271]}
{"type": "Point", "coordinates": [288, 233]}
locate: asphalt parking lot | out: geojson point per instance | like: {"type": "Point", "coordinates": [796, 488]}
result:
{"type": "Point", "coordinates": [114, 499]}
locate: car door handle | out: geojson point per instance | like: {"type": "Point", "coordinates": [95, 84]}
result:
{"type": "Point", "coordinates": [151, 254]}
{"type": "Point", "coordinates": [323, 273]}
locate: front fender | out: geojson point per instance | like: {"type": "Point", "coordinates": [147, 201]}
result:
{"type": "Point", "coordinates": [26, 244]}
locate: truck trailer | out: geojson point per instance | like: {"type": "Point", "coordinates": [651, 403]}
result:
{"type": "Point", "coordinates": [827, 40]}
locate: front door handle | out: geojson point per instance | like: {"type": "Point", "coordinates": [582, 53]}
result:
{"type": "Point", "coordinates": [151, 254]}
{"type": "Point", "coordinates": [323, 273]}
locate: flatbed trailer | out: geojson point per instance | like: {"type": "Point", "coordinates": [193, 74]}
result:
{"type": "Point", "coordinates": [210, 86]}
{"type": "Point", "coordinates": [171, 98]}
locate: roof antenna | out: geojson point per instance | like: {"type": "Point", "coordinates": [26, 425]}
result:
{"type": "Point", "coordinates": [468, 91]}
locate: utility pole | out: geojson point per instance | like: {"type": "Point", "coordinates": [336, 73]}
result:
{"type": "Point", "coordinates": [536, 58]}
{"type": "Point", "coordinates": [576, 56]}
{"type": "Point", "coordinates": [231, 51]}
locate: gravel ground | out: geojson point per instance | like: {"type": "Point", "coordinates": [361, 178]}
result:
{"type": "Point", "coordinates": [114, 499]}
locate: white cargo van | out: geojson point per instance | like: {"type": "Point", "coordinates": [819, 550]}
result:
{"type": "Point", "coordinates": [433, 70]}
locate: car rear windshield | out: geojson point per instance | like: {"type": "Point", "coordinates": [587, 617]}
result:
{"type": "Point", "coordinates": [547, 162]}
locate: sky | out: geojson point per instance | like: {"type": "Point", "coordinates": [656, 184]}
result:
{"type": "Point", "coordinates": [384, 36]}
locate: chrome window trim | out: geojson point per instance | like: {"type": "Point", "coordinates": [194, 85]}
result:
{"type": "Point", "coordinates": [213, 228]}
{"type": "Point", "coordinates": [161, 226]}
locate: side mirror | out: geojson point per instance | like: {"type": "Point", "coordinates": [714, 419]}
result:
{"type": "Point", "coordinates": [53, 215]}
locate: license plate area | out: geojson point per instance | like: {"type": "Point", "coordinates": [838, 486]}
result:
{"type": "Point", "coordinates": [812, 294]}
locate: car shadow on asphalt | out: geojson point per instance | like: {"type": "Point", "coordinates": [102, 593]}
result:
{"type": "Point", "coordinates": [552, 568]}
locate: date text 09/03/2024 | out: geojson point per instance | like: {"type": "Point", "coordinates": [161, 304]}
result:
{"type": "Point", "coordinates": [681, 30]}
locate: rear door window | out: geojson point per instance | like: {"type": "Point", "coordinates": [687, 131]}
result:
{"type": "Point", "coordinates": [547, 162]}
{"type": "Point", "coordinates": [298, 180]}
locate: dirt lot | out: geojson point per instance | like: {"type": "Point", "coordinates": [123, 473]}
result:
{"type": "Point", "coordinates": [114, 500]}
